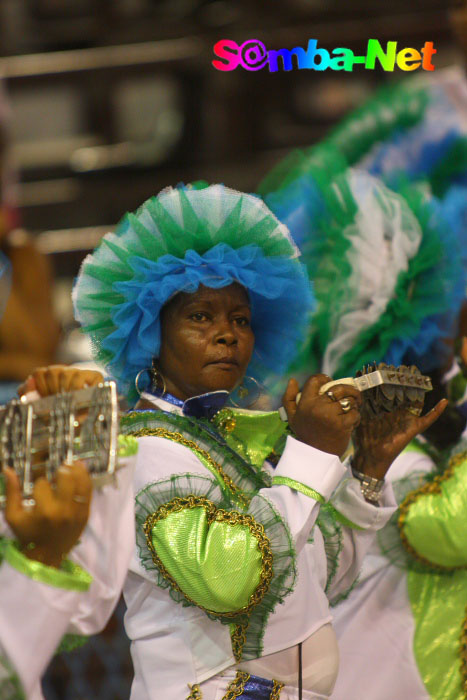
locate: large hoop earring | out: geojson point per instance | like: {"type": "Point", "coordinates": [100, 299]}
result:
{"type": "Point", "coordinates": [155, 375]}
{"type": "Point", "coordinates": [138, 376]}
{"type": "Point", "coordinates": [247, 393]}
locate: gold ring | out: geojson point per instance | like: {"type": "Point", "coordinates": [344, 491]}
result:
{"type": "Point", "coordinates": [80, 499]}
{"type": "Point", "coordinates": [331, 395]}
{"type": "Point", "coordinates": [346, 405]}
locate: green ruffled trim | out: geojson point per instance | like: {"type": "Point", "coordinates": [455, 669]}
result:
{"type": "Point", "coordinates": [127, 446]}
{"type": "Point", "coordinates": [330, 522]}
{"type": "Point", "coordinates": [322, 161]}
{"type": "Point", "coordinates": [157, 494]}
{"type": "Point", "coordinates": [331, 530]}
{"type": "Point", "coordinates": [71, 642]}
{"type": "Point", "coordinates": [247, 479]}
{"type": "Point", "coordinates": [70, 576]}
{"type": "Point", "coordinates": [10, 684]}
{"type": "Point", "coordinates": [345, 594]}
{"type": "Point", "coordinates": [297, 486]}
{"type": "Point", "coordinates": [397, 107]}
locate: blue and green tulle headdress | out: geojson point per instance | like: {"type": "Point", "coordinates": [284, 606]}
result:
{"type": "Point", "coordinates": [176, 241]}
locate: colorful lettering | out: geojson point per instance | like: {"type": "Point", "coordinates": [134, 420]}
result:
{"type": "Point", "coordinates": [428, 52]}
{"type": "Point", "coordinates": [253, 55]}
{"type": "Point", "coordinates": [375, 51]}
{"type": "Point", "coordinates": [230, 56]}
{"type": "Point", "coordinates": [406, 55]}
{"type": "Point", "coordinates": [286, 57]}
{"type": "Point", "coordinates": [344, 59]}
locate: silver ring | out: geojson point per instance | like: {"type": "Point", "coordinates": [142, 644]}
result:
{"type": "Point", "coordinates": [80, 499]}
{"type": "Point", "coordinates": [331, 395]}
{"type": "Point", "coordinates": [346, 405]}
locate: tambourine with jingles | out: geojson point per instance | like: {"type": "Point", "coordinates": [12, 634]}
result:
{"type": "Point", "coordinates": [384, 388]}
{"type": "Point", "coordinates": [37, 436]}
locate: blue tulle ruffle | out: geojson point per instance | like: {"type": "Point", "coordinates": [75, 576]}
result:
{"type": "Point", "coordinates": [279, 290]}
{"type": "Point", "coordinates": [415, 154]}
{"type": "Point", "coordinates": [454, 211]}
{"type": "Point", "coordinates": [298, 205]}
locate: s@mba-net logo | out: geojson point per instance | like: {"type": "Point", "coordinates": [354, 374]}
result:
{"type": "Point", "coordinates": [253, 55]}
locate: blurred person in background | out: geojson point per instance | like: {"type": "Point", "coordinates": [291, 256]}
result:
{"type": "Point", "coordinates": [29, 332]}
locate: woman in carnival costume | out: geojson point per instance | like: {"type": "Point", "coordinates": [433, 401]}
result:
{"type": "Point", "coordinates": [390, 286]}
{"type": "Point", "coordinates": [227, 590]}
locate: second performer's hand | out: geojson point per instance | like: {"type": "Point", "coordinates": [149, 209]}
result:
{"type": "Point", "coordinates": [319, 420]}
{"type": "Point", "coordinates": [55, 378]}
{"type": "Point", "coordinates": [47, 531]}
{"type": "Point", "coordinates": [379, 441]}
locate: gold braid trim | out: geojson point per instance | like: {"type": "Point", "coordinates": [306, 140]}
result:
{"type": "Point", "coordinates": [196, 693]}
{"type": "Point", "coordinates": [236, 492]}
{"type": "Point", "coordinates": [215, 515]}
{"type": "Point", "coordinates": [463, 655]}
{"type": "Point", "coordinates": [238, 639]}
{"type": "Point", "coordinates": [276, 690]}
{"type": "Point", "coordinates": [237, 686]}
{"type": "Point", "coordinates": [431, 488]}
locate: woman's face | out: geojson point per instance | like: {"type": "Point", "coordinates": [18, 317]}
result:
{"type": "Point", "coordinates": [207, 340]}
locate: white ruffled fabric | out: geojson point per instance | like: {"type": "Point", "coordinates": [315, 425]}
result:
{"type": "Point", "coordinates": [384, 237]}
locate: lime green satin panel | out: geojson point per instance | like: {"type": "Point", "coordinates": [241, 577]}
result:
{"type": "Point", "coordinates": [438, 605]}
{"type": "Point", "coordinates": [217, 565]}
{"type": "Point", "coordinates": [70, 576]}
{"type": "Point", "coordinates": [436, 523]}
{"type": "Point", "coordinates": [253, 434]}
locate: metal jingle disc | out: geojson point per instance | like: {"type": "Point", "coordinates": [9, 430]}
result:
{"type": "Point", "coordinates": [411, 393]}
{"type": "Point", "coordinates": [388, 391]}
{"type": "Point", "coordinates": [399, 395]}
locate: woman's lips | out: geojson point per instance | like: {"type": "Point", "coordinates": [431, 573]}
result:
{"type": "Point", "coordinates": [224, 363]}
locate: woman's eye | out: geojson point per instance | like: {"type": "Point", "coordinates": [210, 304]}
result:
{"type": "Point", "coordinates": [198, 316]}
{"type": "Point", "coordinates": [242, 321]}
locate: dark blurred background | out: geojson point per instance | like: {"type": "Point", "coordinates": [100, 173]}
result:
{"type": "Point", "coordinates": [113, 100]}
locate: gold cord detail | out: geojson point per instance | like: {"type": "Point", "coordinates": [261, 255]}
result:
{"type": "Point", "coordinates": [276, 690]}
{"type": "Point", "coordinates": [237, 686]}
{"type": "Point", "coordinates": [238, 639]}
{"type": "Point", "coordinates": [195, 693]}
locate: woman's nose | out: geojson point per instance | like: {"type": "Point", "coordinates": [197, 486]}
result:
{"type": "Point", "coordinates": [225, 335]}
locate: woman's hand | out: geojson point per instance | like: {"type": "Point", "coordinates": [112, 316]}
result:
{"type": "Point", "coordinates": [47, 531]}
{"type": "Point", "coordinates": [56, 378]}
{"type": "Point", "coordinates": [319, 420]}
{"type": "Point", "coordinates": [380, 440]}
